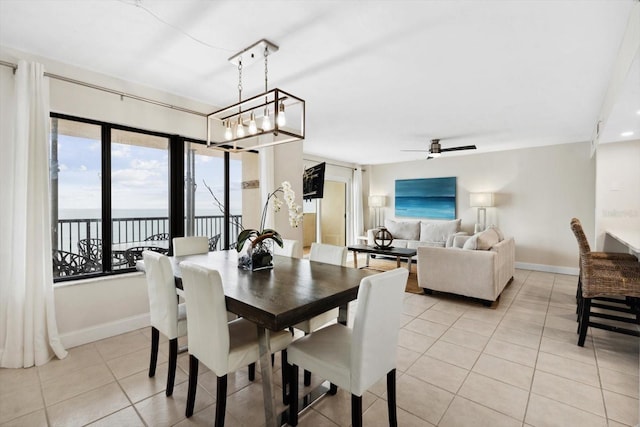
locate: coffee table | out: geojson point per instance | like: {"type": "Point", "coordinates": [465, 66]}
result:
{"type": "Point", "coordinates": [395, 252]}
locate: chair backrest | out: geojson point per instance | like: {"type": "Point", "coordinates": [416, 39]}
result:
{"type": "Point", "coordinates": [134, 253]}
{"type": "Point", "coordinates": [208, 331]}
{"type": "Point", "coordinates": [91, 248]}
{"type": "Point", "coordinates": [190, 245]}
{"type": "Point", "coordinates": [71, 264]}
{"type": "Point", "coordinates": [289, 248]}
{"type": "Point", "coordinates": [159, 236]}
{"type": "Point", "coordinates": [329, 254]}
{"type": "Point", "coordinates": [213, 242]}
{"type": "Point", "coordinates": [583, 243]}
{"type": "Point", "coordinates": [161, 287]}
{"type": "Point", "coordinates": [376, 328]}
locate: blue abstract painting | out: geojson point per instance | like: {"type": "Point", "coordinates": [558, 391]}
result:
{"type": "Point", "coordinates": [426, 198]}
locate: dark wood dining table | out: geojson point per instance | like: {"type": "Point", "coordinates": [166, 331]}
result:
{"type": "Point", "coordinates": [293, 291]}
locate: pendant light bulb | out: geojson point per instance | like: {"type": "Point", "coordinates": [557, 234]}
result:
{"type": "Point", "coordinates": [253, 129]}
{"type": "Point", "coordinates": [282, 119]}
{"type": "Point", "coordinates": [240, 128]}
{"type": "Point", "coordinates": [266, 121]}
{"type": "Point", "coordinates": [227, 131]}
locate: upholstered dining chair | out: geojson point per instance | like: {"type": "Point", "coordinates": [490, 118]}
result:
{"type": "Point", "coordinates": [192, 245]}
{"type": "Point", "coordinates": [289, 248]}
{"type": "Point", "coordinates": [355, 359]}
{"type": "Point", "coordinates": [222, 346]}
{"type": "Point", "coordinates": [329, 254]}
{"type": "Point", "coordinates": [167, 316]}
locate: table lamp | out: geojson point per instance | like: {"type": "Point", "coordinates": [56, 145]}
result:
{"type": "Point", "coordinates": [482, 201]}
{"type": "Point", "coordinates": [377, 202]}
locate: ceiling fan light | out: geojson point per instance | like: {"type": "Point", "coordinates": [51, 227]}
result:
{"type": "Point", "coordinates": [434, 155]}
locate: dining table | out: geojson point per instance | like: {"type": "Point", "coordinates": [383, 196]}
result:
{"type": "Point", "coordinates": [122, 247]}
{"type": "Point", "coordinates": [275, 299]}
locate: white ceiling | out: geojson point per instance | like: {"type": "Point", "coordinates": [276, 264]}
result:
{"type": "Point", "coordinates": [377, 76]}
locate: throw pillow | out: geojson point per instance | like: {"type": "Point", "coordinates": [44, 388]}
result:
{"type": "Point", "coordinates": [487, 239]}
{"type": "Point", "coordinates": [471, 244]}
{"type": "Point", "coordinates": [438, 231]}
{"type": "Point", "coordinates": [407, 230]}
{"type": "Point", "coordinates": [497, 230]}
{"type": "Point", "coordinates": [460, 240]}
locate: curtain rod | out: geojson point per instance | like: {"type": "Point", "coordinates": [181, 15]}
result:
{"type": "Point", "coordinates": [112, 91]}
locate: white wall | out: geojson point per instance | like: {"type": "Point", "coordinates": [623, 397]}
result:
{"type": "Point", "coordinates": [288, 166]}
{"type": "Point", "coordinates": [538, 191]}
{"type": "Point", "coordinates": [617, 189]}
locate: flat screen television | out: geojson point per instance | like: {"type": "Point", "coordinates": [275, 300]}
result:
{"type": "Point", "coordinates": [313, 182]}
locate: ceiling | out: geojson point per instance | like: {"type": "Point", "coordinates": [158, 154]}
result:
{"type": "Point", "coordinates": [377, 76]}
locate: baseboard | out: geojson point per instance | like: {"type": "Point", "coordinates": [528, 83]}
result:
{"type": "Point", "coordinates": [105, 330]}
{"type": "Point", "coordinates": [573, 271]}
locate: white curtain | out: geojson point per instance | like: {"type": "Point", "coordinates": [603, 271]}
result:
{"type": "Point", "coordinates": [28, 330]}
{"type": "Point", "coordinates": [267, 180]}
{"type": "Point", "coordinates": [358, 210]}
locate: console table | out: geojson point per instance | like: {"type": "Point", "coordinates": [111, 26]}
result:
{"type": "Point", "coordinates": [393, 252]}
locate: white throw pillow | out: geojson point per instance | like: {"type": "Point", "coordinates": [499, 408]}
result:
{"type": "Point", "coordinates": [459, 240]}
{"type": "Point", "coordinates": [407, 230]}
{"type": "Point", "coordinates": [497, 230]}
{"type": "Point", "coordinates": [487, 239]}
{"type": "Point", "coordinates": [438, 231]}
{"type": "Point", "coordinates": [471, 244]}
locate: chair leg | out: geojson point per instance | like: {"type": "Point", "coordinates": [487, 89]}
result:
{"type": "Point", "coordinates": [252, 371]}
{"type": "Point", "coordinates": [333, 389]}
{"type": "Point", "coordinates": [307, 378]}
{"type": "Point", "coordinates": [293, 395]}
{"type": "Point", "coordinates": [221, 400]}
{"type": "Point", "coordinates": [356, 411]}
{"type": "Point", "coordinates": [285, 377]}
{"type": "Point", "coordinates": [153, 359]}
{"type": "Point", "coordinates": [584, 320]}
{"type": "Point", "coordinates": [193, 385]}
{"type": "Point", "coordinates": [173, 360]}
{"type": "Point", "coordinates": [391, 398]}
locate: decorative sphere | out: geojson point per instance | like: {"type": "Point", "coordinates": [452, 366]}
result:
{"type": "Point", "coordinates": [383, 238]}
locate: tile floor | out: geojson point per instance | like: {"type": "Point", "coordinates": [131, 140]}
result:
{"type": "Point", "coordinates": [459, 364]}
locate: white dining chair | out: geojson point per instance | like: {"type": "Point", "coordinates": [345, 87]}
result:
{"type": "Point", "coordinates": [192, 245]}
{"type": "Point", "coordinates": [329, 254]}
{"type": "Point", "coordinates": [223, 347]}
{"type": "Point", "coordinates": [289, 248]}
{"type": "Point", "coordinates": [355, 359]}
{"type": "Point", "coordinates": [167, 316]}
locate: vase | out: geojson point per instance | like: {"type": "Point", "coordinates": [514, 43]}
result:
{"type": "Point", "coordinates": [256, 256]}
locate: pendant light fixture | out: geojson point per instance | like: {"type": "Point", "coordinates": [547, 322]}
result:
{"type": "Point", "coordinates": [274, 116]}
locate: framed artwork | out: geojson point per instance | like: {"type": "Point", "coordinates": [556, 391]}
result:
{"type": "Point", "coordinates": [426, 198]}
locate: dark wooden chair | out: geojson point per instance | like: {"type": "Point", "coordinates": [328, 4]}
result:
{"type": "Point", "coordinates": [72, 264]}
{"type": "Point", "coordinates": [159, 236]}
{"type": "Point", "coordinates": [92, 249]}
{"type": "Point", "coordinates": [134, 253]}
{"type": "Point", "coordinates": [213, 243]}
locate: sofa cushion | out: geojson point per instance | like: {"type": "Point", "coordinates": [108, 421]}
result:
{"type": "Point", "coordinates": [459, 240]}
{"type": "Point", "coordinates": [407, 230]}
{"type": "Point", "coordinates": [414, 244]}
{"type": "Point", "coordinates": [400, 243]}
{"type": "Point", "coordinates": [471, 243]}
{"type": "Point", "coordinates": [438, 231]}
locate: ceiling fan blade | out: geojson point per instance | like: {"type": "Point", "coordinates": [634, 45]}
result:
{"type": "Point", "coordinates": [465, 147]}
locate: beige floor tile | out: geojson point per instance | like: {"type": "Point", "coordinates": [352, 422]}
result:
{"type": "Point", "coordinates": [454, 354]}
{"type": "Point", "coordinates": [120, 345]}
{"type": "Point", "coordinates": [412, 310]}
{"type": "Point", "coordinates": [160, 410]}
{"type": "Point", "coordinates": [475, 326]}
{"type": "Point", "coordinates": [378, 415]}
{"type": "Point", "coordinates": [88, 407]}
{"type": "Point", "coordinates": [620, 408]}
{"type": "Point", "coordinates": [617, 359]}
{"type": "Point", "coordinates": [543, 412]}
{"type": "Point", "coordinates": [422, 399]}
{"type": "Point", "coordinates": [570, 350]}
{"type": "Point", "coordinates": [414, 341]}
{"type": "Point", "coordinates": [568, 368]}
{"type": "Point", "coordinates": [11, 378]}
{"type": "Point", "coordinates": [463, 413]}
{"type": "Point", "coordinates": [455, 305]}
{"type": "Point", "coordinates": [438, 373]}
{"type": "Point", "coordinates": [247, 404]}
{"type": "Point", "coordinates": [135, 362]}
{"type": "Point", "coordinates": [75, 383]}
{"type": "Point", "coordinates": [441, 317]}
{"type": "Point", "coordinates": [77, 358]}
{"type": "Point", "coordinates": [235, 381]}
{"type": "Point", "coordinates": [505, 333]}
{"type": "Point", "coordinates": [405, 358]}
{"type": "Point", "coordinates": [561, 335]}
{"type": "Point", "coordinates": [465, 339]}
{"type": "Point", "coordinates": [504, 370]}
{"type": "Point", "coordinates": [405, 319]}
{"type": "Point", "coordinates": [613, 423]}
{"type": "Point", "coordinates": [338, 408]}
{"type": "Point", "coordinates": [139, 386]}
{"type": "Point", "coordinates": [521, 325]}
{"type": "Point", "coordinates": [620, 382]}
{"type": "Point", "coordinates": [34, 419]}
{"type": "Point", "coordinates": [127, 417]}
{"type": "Point", "coordinates": [512, 352]}
{"type": "Point", "coordinates": [206, 417]}
{"type": "Point", "coordinates": [485, 315]}
{"type": "Point", "coordinates": [567, 391]}
{"type": "Point", "coordinates": [504, 398]}
{"type": "Point", "coordinates": [425, 327]}
{"type": "Point", "coordinates": [19, 400]}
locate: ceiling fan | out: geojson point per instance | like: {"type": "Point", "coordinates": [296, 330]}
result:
{"type": "Point", "coordinates": [435, 149]}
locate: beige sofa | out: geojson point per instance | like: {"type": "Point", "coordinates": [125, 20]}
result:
{"type": "Point", "coordinates": [414, 234]}
{"type": "Point", "coordinates": [478, 266]}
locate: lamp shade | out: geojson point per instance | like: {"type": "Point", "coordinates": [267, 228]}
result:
{"type": "Point", "coordinates": [377, 201]}
{"type": "Point", "coordinates": [481, 200]}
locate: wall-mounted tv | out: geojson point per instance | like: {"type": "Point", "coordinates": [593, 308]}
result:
{"type": "Point", "coordinates": [313, 182]}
